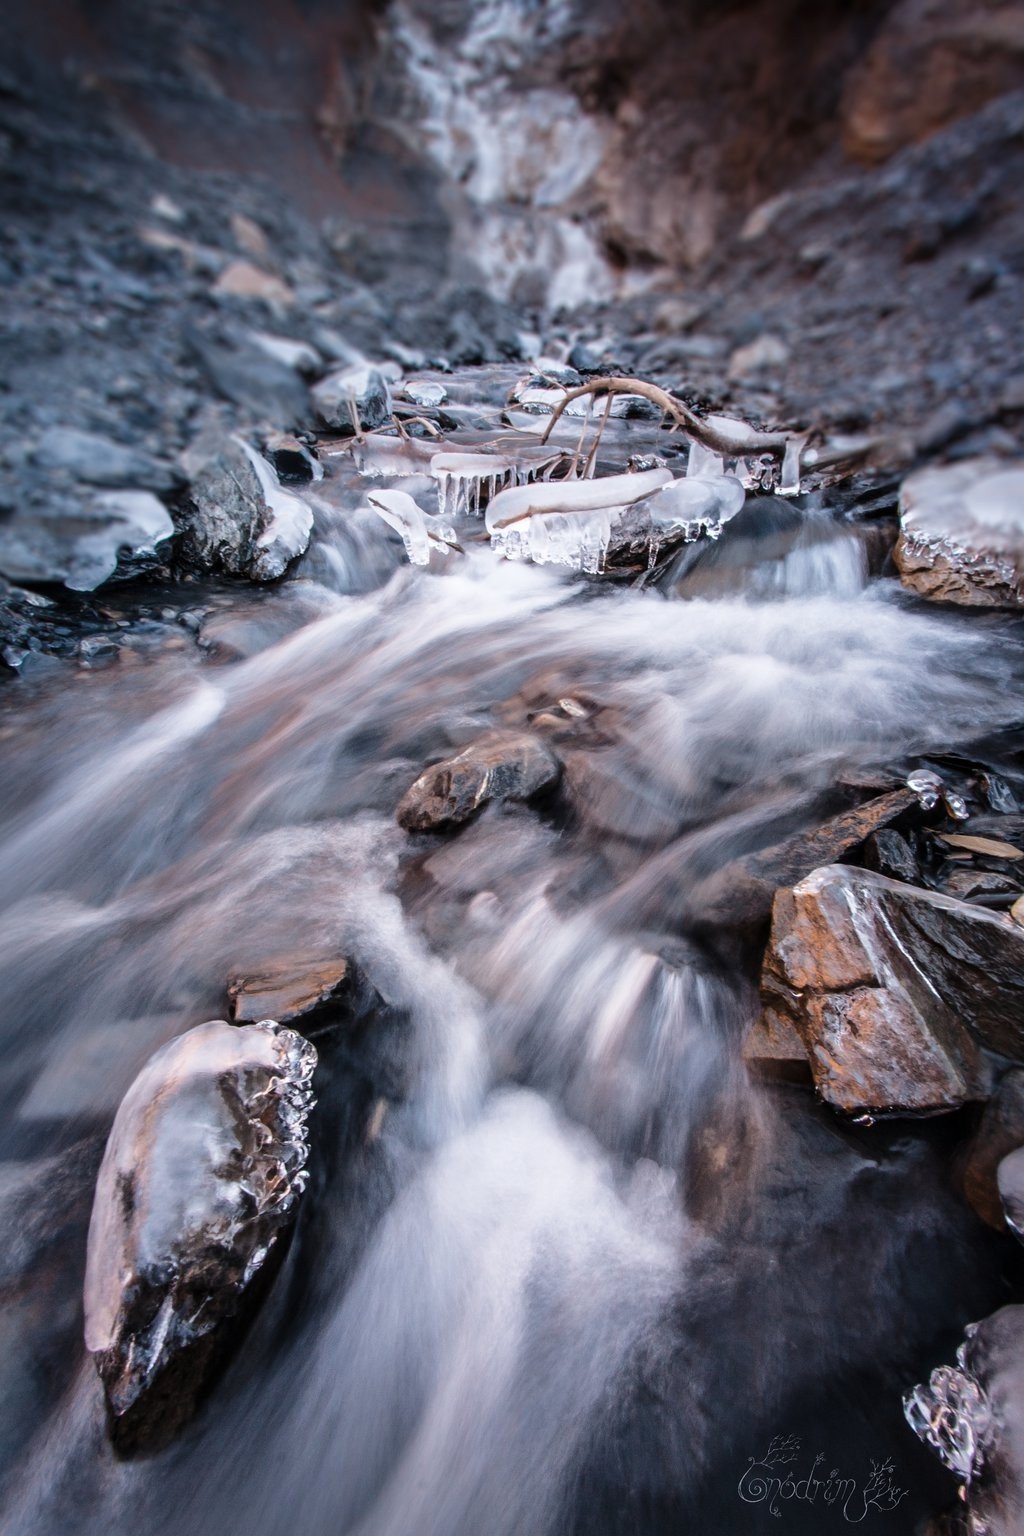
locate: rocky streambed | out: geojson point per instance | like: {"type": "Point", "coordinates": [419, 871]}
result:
{"type": "Point", "coordinates": [512, 907]}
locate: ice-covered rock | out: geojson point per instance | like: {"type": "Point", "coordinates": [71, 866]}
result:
{"type": "Point", "coordinates": [201, 1174]}
{"type": "Point", "coordinates": [503, 766]}
{"type": "Point", "coordinates": [288, 527]}
{"type": "Point", "coordinates": [425, 392]}
{"type": "Point", "coordinates": [972, 1416]}
{"type": "Point", "coordinates": [582, 523]}
{"type": "Point", "coordinates": [353, 399]}
{"type": "Point", "coordinates": [893, 989]}
{"type": "Point", "coordinates": [962, 533]}
{"type": "Point", "coordinates": [104, 534]}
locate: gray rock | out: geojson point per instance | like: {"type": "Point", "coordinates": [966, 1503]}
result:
{"type": "Point", "coordinates": [87, 542]}
{"type": "Point", "coordinates": [359, 387]}
{"type": "Point", "coordinates": [228, 509]}
{"type": "Point", "coordinates": [499, 767]}
{"type": "Point", "coordinates": [893, 989]}
{"type": "Point", "coordinates": [99, 461]}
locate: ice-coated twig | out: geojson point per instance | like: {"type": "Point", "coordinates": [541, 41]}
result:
{"type": "Point", "coordinates": [730, 444]}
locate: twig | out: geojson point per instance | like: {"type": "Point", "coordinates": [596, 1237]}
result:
{"type": "Point", "coordinates": [733, 445]}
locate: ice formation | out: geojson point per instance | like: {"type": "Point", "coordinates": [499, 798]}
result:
{"type": "Point", "coordinates": [467, 481]}
{"type": "Point", "coordinates": [951, 1413]}
{"type": "Point", "coordinates": [202, 1170]}
{"type": "Point", "coordinates": [420, 532]}
{"type": "Point", "coordinates": [575, 523]}
{"type": "Point", "coordinates": [291, 521]}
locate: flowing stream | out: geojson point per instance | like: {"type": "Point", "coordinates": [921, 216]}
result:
{"type": "Point", "coordinates": [562, 1265]}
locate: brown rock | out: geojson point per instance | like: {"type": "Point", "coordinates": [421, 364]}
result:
{"type": "Point", "coordinates": [244, 280]}
{"type": "Point", "coordinates": [497, 767]}
{"type": "Point", "coordinates": [1000, 1131]}
{"type": "Point", "coordinates": [741, 894]}
{"type": "Point", "coordinates": [932, 62]}
{"type": "Point", "coordinates": [285, 989]}
{"type": "Point", "coordinates": [893, 989]}
{"type": "Point", "coordinates": [962, 533]}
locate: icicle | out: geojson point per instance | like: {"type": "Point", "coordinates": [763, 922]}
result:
{"type": "Point", "coordinates": [789, 481]}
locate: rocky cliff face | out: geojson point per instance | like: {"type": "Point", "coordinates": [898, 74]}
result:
{"type": "Point", "coordinates": [553, 152]}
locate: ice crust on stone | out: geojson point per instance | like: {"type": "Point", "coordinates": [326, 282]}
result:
{"type": "Point", "coordinates": [289, 526]}
{"type": "Point", "coordinates": [203, 1166]}
{"type": "Point", "coordinates": [420, 532]}
{"type": "Point", "coordinates": [576, 523]}
{"type": "Point", "coordinates": [121, 523]}
{"type": "Point", "coordinates": [425, 392]}
{"type": "Point", "coordinates": [951, 1413]}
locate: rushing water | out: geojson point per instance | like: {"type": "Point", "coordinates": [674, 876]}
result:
{"type": "Point", "coordinates": [583, 1269]}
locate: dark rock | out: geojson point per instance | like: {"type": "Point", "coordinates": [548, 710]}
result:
{"type": "Point", "coordinates": [584, 359]}
{"type": "Point", "coordinates": [1000, 1131]}
{"type": "Point", "coordinates": [286, 989]}
{"type": "Point", "coordinates": [291, 458]}
{"type": "Point", "coordinates": [893, 989]}
{"type": "Point", "coordinates": [360, 387]}
{"type": "Point", "coordinates": [740, 895]}
{"type": "Point", "coordinates": [228, 511]}
{"type": "Point", "coordinates": [969, 884]}
{"type": "Point", "coordinates": [888, 853]}
{"type": "Point", "coordinates": [498, 767]}
{"type": "Point", "coordinates": [201, 1175]}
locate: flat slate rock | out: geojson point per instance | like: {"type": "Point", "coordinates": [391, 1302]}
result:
{"type": "Point", "coordinates": [894, 990]}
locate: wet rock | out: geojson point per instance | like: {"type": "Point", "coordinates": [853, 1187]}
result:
{"type": "Point", "coordinates": [888, 853]}
{"type": "Point", "coordinates": [1000, 1132]}
{"type": "Point", "coordinates": [291, 458]}
{"type": "Point", "coordinates": [962, 533]}
{"type": "Point", "coordinates": [1010, 1182]}
{"type": "Point", "coordinates": [893, 989]}
{"type": "Point", "coordinates": [971, 1416]}
{"type": "Point", "coordinates": [228, 510]}
{"type": "Point", "coordinates": [774, 1049]}
{"type": "Point", "coordinates": [201, 1175]}
{"type": "Point", "coordinates": [740, 895]}
{"type": "Point", "coordinates": [286, 989]}
{"type": "Point", "coordinates": [974, 884]}
{"type": "Point", "coordinates": [98, 461]}
{"type": "Point", "coordinates": [499, 767]}
{"type": "Point", "coordinates": [356, 398]}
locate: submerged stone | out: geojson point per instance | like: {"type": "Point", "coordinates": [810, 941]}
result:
{"type": "Point", "coordinates": [499, 767]}
{"type": "Point", "coordinates": [286, 989]}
